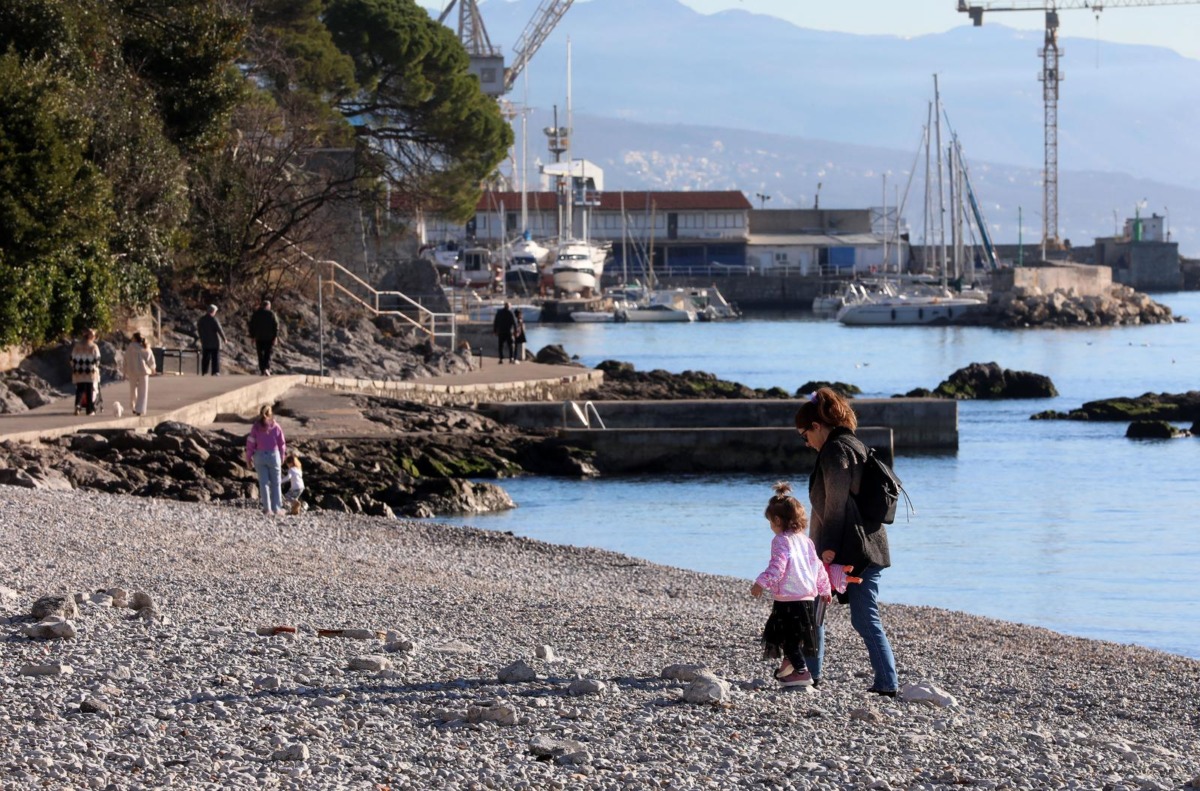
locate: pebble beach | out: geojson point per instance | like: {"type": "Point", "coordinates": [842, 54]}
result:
{"type": "Point", "coordinates": [205, 646]}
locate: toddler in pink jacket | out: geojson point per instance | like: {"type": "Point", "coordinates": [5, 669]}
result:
{"type": "Point", "coordinates": [797, 580]}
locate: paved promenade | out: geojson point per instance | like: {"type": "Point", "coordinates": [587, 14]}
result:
{"type": "Point", "coordinates": [198, 400]}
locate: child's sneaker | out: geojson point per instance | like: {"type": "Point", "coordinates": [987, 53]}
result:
{"type": "Point", "coordinates": [785, 669]}
{"type": "Point", "coordinates": [801, 679]}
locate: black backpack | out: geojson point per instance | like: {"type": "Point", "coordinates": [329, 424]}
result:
{"type": "Point", "coordinates": [879, 492]}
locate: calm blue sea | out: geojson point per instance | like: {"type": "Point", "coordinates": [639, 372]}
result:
{"type": "Point", "coordinates": [1065, 525]}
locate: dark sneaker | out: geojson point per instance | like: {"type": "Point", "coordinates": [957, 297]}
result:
{"type": "Point", "coordinates": [801, 679]}
{"type": "Point", "coordinates": [887, 693]}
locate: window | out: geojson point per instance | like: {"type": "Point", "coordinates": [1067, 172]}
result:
{"type": "Point", "coordinates": [781, 258]}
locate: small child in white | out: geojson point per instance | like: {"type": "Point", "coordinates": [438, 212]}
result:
{"type": "Point", "coordinates": [295, 484]}
{"type": "Point", "coordinates": [796, 578]}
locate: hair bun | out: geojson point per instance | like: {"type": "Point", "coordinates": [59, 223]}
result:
{"type": "Point", "coordinates": [782, 488]}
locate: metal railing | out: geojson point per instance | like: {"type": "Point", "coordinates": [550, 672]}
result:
{"type": "Point", "coordinates": [581, 413]}
{"type": "Point", "coordinates": [387, 303]}
{"type": "Point", "coordinates": [342, 280]}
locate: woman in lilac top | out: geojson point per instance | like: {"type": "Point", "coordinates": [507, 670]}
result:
{"type": "Point", "coordinates": [265, 449]}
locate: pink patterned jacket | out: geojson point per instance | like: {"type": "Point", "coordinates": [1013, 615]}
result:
{"type": "Point", "coordinates": [795, 572]}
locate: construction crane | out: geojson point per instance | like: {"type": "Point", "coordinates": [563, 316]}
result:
{"type": "Point", "coordinates": [1050, 77]}
{"type": "Point", "coordinates": [487, 61]}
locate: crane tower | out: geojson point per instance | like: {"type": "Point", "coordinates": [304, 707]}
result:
{"type": "Point", "coordinates": [1050, 77]}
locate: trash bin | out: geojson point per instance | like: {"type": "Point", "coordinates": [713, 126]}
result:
{"type": "Point", "coordinates": [160, 357]}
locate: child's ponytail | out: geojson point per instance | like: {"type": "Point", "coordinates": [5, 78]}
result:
{"type": "Point", "coordinates": [785, 509]}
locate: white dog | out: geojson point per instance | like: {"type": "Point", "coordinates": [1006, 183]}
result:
{"type": "Point", "coordinates": [120, 410]}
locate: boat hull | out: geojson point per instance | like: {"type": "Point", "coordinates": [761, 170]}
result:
{"type": "Point", "coordinates": [904, 313]}
{"type": "Point", "coordinates": [657, 314]}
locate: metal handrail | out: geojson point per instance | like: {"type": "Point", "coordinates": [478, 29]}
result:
{"type": "Point", "coordinates": [447, 320]}
{"type": "Point", "coordinates": [582, 413]}
{"type": "Point", "coordinates": [422, 311]}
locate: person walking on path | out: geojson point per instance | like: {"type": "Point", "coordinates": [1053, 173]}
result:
{"type": "Point", "coordinates": [85, 372]}
{"type": "Point", "coordinates": [139, 367]}
{"type": "Point", "coordinates": [826, 422]}
{"type": "Point", "coordinates": [265, 449]}
{"type": "Point", "coordinates": [212, 338]}
{"type": "Point", "coordinates": [797, 581]}
{"type": "Point", "coordinates": [518, 337]}
{"type": "Point", "coordinates": [502, 327]}
{"type": "Point", "coordinates": [264, 329]}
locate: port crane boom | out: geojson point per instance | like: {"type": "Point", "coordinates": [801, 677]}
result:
{"type": "Point", "coordinates": [487, 62]}
{"type": "Point", "coordinates": [1050, 77]}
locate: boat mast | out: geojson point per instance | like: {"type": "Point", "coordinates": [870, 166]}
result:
{"type": "Point", "coordinates": [937, 112]}
{"type": "Point", "coordinates": [927, 224]}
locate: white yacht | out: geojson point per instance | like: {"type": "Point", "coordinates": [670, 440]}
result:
{"type": "Point", "coordinates": [904, 309]}
{"type": "Point", "coordinates": [577, 267]}
{"type": "Point", "coordinates": [660, 305]}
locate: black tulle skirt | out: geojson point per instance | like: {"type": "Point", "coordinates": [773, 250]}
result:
{"type": "Point", "coordinates": [791, 629]}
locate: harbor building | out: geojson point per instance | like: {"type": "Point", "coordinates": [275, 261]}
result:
{"type": "Point", "coordinates": [826, 241]}
{"type": "Point", "coordinates": [1143, 257]}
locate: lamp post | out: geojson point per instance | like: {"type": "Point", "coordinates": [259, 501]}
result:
{"type": "Point", "coordinates": [817, 197]}
{"type": "Point", "coordinates": [762, 199]}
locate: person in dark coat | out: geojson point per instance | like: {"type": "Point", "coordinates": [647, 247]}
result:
{"type": "Point", "coordinates": [264, 329]}
{"type": "Point", "coordinates": [212, 338]}
{"type": "Point", "coordinates": [827, 423]}
{"type": "Point", "coordinates": [502, 327]}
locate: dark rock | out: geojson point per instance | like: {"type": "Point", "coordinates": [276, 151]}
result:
{"type": "Point", "coordinates": [554, 354]}
{"type": "Point", "coordinates": [623, 383]}
{"type": "Point", "coordinates": [458, 496]}
{"type": "Point", "coordinates": [841, 388]}
{"type": "Point", "coordinates": [555, 457]}
{"type": "Point", "coordinates": [46, 606]}
{"type": "Point", "coordinates": [88, 443]}
{"type": "Point", "coordinates": [373, 507]}
{"type": "Point", "coordinates": [1177, 407]}
{"type": "Point", "coordinates": [1152, 429]}
{"type": "Point", "coordinates": [990, 381]}
{"type": "Point", "coordinates": [918, 392]}
{"type": "Point", "coordinates": [332, 502]}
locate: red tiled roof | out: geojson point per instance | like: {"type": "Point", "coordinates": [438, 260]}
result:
{"type": "Point", "coordinates": [723, 200]}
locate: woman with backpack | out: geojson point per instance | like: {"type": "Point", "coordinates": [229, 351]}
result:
{"type": "Point", "coordinates": [826, 422]}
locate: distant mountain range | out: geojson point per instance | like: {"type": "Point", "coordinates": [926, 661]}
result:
{"type": "Point", "coordinates": [665, 97]}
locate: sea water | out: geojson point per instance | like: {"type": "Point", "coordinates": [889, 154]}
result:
{"type": "Point", "coordinates": [1061, 524]}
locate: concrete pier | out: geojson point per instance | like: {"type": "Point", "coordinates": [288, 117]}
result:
{"type": "Point", "coordinates": [728, 435]}
{"type": "Point", "coordinates": [917, 424]}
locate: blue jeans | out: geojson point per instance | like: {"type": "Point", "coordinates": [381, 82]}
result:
{"type": "Point", "coordinates": [864, 617]}
{"type": "Point", "coordinates": [266, 464]}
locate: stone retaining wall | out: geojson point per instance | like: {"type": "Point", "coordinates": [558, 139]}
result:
{"type": "Point", "coordinates": [554, 390]}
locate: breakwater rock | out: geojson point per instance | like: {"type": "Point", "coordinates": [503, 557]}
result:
{"type": "Point", "coordinates": [1154, 429]}
{"type": "Point", "coordinates": [1031, 307]}
{"type": "Point", "coordinates": [988, 381]}
{"type": "Point", "coordinates": [622, 382]}
{"type": "Point", "coordinates": [1177, 407]}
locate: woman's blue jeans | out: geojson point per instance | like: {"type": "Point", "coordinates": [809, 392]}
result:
{"type": "Point", "coordinates": [266, 464]}
{"type": "Point", "coordinates": [864, 617]}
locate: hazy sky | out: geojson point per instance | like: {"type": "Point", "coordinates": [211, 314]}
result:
{"type": "Point", "coordinates": [1165, 26]}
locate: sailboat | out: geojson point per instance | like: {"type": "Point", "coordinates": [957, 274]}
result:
{"type": "Point", "coordinates": [928, 304]}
